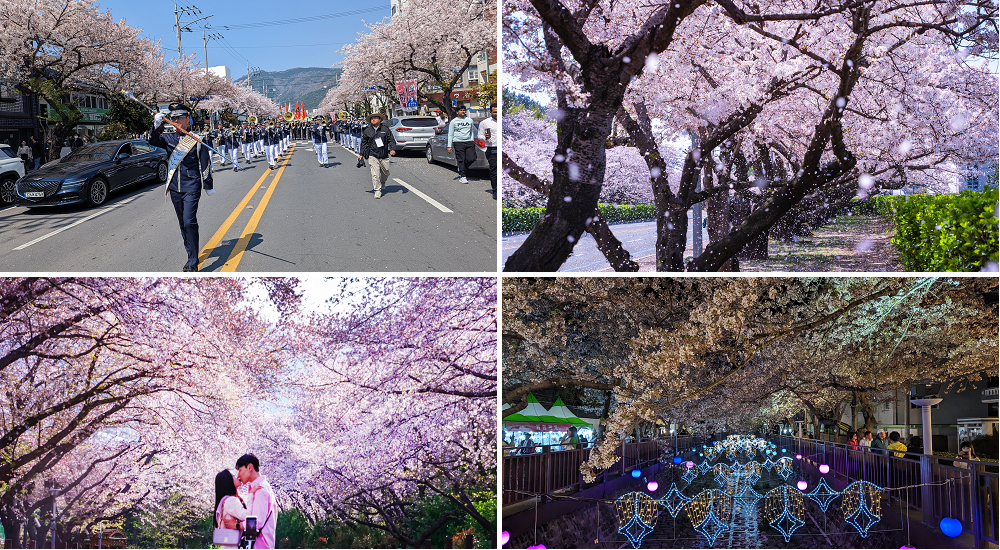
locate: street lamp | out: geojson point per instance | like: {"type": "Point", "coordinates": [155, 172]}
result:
{"type": "Point", "coordinates": [925, 397]}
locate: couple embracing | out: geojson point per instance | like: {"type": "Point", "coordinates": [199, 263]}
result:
{"type": "Point", "coordinates": [231, 511]}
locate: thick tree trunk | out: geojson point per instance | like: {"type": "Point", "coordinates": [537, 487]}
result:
{"type": "Point", "coordinates": [607, 243]}
{"type": "Point", "coordinates": [577, 179]}
{"type": "Point", "coordinates": [719, 217]}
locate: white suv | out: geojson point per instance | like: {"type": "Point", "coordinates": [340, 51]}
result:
{"type": "Point", "coordinates": [11, 169]}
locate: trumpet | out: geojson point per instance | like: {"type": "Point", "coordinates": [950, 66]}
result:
{"type": "Point", "coordinates": [252, 119]}
{"type": "Point", "coordinates": [270, 124]}
{"type": "Point", "coordinates": [287, 116]}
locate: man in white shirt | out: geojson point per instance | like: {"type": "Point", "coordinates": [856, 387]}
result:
{"type": "Point", "coordinates": [262, 504]}
{"type": "Point", "coordinates": [489, 132]}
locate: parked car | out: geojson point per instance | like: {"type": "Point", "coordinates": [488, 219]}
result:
{"type": "Point", "coordinates": [11, 169]}
{"type": "Point", "coordinates": [91, 173]}
{"type": "Point", "coordinates": [437, 150]}
{"type": "Point", "coordinates": [412, 132]}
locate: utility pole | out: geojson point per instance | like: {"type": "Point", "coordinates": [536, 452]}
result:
{"type": "Point", "coordinates": [205, 38]}
{"type": "Point", "coordinates": [187, 10]}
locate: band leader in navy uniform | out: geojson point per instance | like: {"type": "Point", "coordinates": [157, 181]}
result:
{"type": "Point", "coordinates": [192, 175]}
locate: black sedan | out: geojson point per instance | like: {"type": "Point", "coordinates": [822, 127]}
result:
{"type": "Point", "coordinates": [91, 173]}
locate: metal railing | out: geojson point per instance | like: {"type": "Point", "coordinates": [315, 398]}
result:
{"type": "Point", "coordinates": [918, 481]}
{"type": "Point", "coordinates": [547, 469]}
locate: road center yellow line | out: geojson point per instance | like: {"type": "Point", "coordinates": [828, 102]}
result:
{"type": "Point", "coordinates": [237, 254]}
{"type": "Point", "coordinates": [221, 233]}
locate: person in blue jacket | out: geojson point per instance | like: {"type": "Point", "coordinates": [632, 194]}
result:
{"type": "Point", "coordinates": [193, 174]}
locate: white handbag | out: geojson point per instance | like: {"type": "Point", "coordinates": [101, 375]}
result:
{"type": "Point", "coordinates": [228, 537]}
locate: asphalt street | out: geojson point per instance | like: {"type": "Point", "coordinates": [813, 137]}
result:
{"type": "Point", "coordinates": [639, 238]}
{"type": "Point", "coordinates": [299, 217]}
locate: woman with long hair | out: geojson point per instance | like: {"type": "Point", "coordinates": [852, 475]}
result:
{"type": "Point", "coordinates": [230, 513]}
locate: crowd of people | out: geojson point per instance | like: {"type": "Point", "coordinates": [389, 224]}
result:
{"type": "Point", "coordinates": [371, 140]}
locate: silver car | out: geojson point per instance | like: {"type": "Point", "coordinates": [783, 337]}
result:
{"type": "Point", "coordinates": [412, 132]}
{"type": "Point", "coordinates": [437, 150]}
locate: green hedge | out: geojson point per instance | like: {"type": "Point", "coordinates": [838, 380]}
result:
{"type": "Point", "coordinates": [944, 232]}
{"type": "Point", "coordinates": [884, 205]}
{"type": "Point", "coordinates": [524, 219]}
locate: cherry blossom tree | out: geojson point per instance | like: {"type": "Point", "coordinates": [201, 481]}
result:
{"type": "Point", "coordinates": [787, 78]}
{"type": "Point", "coordinates": [55, 47]}
{"type": "Point", "coordinates": [412, 371]}
{"type": "Point", "coordinates": [432, 42]}
{"type": "Point", "coordinates": [722, 351]}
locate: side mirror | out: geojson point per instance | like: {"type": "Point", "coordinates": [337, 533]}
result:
{"type": "Point", "coordinates": [441, 131]}
{"type": "Point", "coordinates": [121, 157]}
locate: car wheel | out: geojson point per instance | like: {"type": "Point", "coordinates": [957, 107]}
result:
{"type": "Point", "coordinates": [7, 190]}
{"type": "Point", "coordinates": [161, 172]}
{"type": "Point", "coordinates": [97, 192]}
{"type": "Point", "coordinates": [430, 155]}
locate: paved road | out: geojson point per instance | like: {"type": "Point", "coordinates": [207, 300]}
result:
{"type": "Point", "coordinates": [639, 238]}
{"type": "Point", "coordinates": [300, 217]}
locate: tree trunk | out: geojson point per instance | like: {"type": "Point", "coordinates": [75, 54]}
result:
{"type": "Point", "coordinates": [719, 216]}
{"type": "Point", "coordinates": [576, 176]}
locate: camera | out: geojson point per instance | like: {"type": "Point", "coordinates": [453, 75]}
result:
{"type": "Point", "coordinates": [361, 163]}
{"type": "Point", "coordinates": [250, 534]}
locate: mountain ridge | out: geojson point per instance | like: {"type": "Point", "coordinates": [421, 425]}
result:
{"type": "Point", "coordinates": [306, 84]}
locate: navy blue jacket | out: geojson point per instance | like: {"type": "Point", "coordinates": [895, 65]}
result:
{"type": "Point", "coordinates": [191, 175]}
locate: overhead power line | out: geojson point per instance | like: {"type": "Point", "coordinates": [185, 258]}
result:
{"type": "Point", "coordinates": [302, 19]}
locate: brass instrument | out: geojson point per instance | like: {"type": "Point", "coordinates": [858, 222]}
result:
{"type": "Point", "coordinates": [344, 115]}
{"type": "Point", "coordinates": [288, 116]}
{"type": "Point", "coordinates": [252, 119]}
{"type": "Point", "coordinates": [270, 123]}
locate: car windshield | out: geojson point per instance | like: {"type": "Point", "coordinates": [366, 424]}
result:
{"type": "Point", "coordinates": [419, 122]}
{"type": "Point", "coordinates": [7, 151]}
{"type": "Point", "coordinates": [91, 153]}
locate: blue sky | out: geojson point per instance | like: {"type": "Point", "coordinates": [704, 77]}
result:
{"type": "Point", "coordinates": [272, 48]}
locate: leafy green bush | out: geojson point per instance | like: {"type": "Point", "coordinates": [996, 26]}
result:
{"type": "Point", "coordinates": [947, 232]}
{"type": "Point", "coordinates": [524, 219]}
{"type": "Point", "coordinates": [883, 205]}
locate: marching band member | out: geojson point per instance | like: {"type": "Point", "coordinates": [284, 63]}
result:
{"type": "Point", "coordinates": [271, 143]}
{"type": "Point", "coordinates": [318, 132]}
{"type": "Point", "coordinates": [188, 178]}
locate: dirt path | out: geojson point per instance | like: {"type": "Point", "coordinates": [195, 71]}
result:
{"type": "Point", "coordinates": [847, 244]}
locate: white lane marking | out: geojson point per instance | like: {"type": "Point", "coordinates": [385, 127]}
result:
{"type": "Point", "coordinates": [433, 202]}
{"type": "Point", "coordinates": [76, 223]}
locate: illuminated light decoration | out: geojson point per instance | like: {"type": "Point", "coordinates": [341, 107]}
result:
{"type": "Point", "coordinates": [722, 472]}
{"type": "Point", "coordinates": [752, 471]}
{"type": "Point", "coordinates": [710, 453]}
{"type": "Point", "coordinates": [824, 468]}
{"type": "Point", "coordinates": [504, 538]}
{"type": "Point", "coordinates": [783, 507]}
{"type": "Point", "coordinates": [798, 457]}
{"type": "Point", "coordinates": [652, 486]}
{"type": "Point", "coordinates": [767, 465]}
{"type": "Point", "coordinates": [701, 454]}
{"type": "Point", "coordinates": [784, 451]}
{"type": "Point", "coordinates": [674, 500]}
{"type": "Point", "coordinates": [748, 498]}
{"type": "Point", "coordinates": [711, 513]}
{"type": "Point", "coordinates": [862, 505]}
{"type": "Point", "coordinates": [539, 547]}
{"type": "Point", "coordinates": [907, 548]}
{"type": "Point", "coordinates": [802, 485]}
{"type": "Point", "coordinates": [690, 465]}
{"type": "Point", "coordinates": [704, 467]}
{"type": "Point", "coordinates": [635, 516]}
{"type": "Point", "coordinates": [689, 475]}
{"type": "Point", "coordinates": [677, 460]}
{"type": "Point", "coordinates": [637, 473]}
{"type": "Point", "coordinates": [823, 495]}
{"type": "Point", "coordinates": [784, 468]}
{"type": "Point", "coordinates": [950, 527]}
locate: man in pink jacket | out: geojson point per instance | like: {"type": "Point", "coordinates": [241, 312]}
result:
{"type": "Point", "coordinates": [262, 503]}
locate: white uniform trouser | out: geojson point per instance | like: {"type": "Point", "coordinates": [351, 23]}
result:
{"type": "Point", "coordinates": [258, 147]}
{"type": "Point", "coordinates": [270, 150]}
{"type": "Point", "coordinates": [320, 152]}
{"type": "Point", "coordinates": [288, 142]}
{"type": "Point", "coordinates": [233, 153]}
{"type": "Point", "coordinates": [222, 150]}
{"type": "Point", "coordinates": [246, 151]}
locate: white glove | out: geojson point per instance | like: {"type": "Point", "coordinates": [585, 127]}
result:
{"type": "Point", "coordinates": [210, 191]}
{"type": "Point", "coordinates": [158, 120]}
